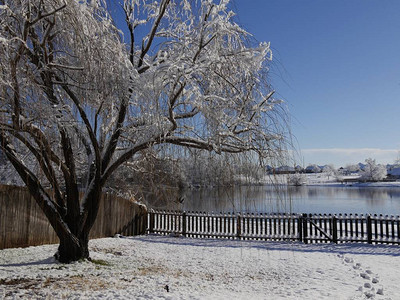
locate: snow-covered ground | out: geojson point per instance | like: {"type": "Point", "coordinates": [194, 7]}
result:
{"type": "Point", "coordinates": [157, 267]}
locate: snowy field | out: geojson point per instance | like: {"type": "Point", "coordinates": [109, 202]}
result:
{"type": "Point", "coordinates": [156, 267]}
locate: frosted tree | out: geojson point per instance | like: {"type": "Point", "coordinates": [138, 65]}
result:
{"type": "Point", "coordinates": [78, 98]}
{"type": "Point", "coordinates": [329, 170]}
{"type": "Point", "coordinates": [353, 168]}
{"type": "Point", "coordinates": [373, 171]}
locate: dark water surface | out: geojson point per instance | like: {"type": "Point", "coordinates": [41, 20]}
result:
{"type": "Point", "coordinates": [305, 199]}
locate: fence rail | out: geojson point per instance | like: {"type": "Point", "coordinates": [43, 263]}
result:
{"type": "Point", "coordinates": [308, 228]}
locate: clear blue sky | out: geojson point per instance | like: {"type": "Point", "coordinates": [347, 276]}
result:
{"type": "Point", "coordinates": [337, 65]}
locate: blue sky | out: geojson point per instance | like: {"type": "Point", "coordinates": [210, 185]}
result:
{"type": "Point", "coordinates": [337, 65]}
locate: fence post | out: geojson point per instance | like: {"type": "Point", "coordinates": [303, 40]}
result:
{"type": "Point", "coordinates": [334, 229]}
{"type": "Point", "coordinates": [151, 222]}
{"type": "Point", "coordinates": [136, 228]}
{"type": "Point", "coordinates": [239, 226]}
{"type": "Point", "coordinates": [369, 229]}
{"type": "Point", "coordinates": [143, 221]}
{"type": "Point", "coordinates": [133, 225]}
{"type": "Point", "coordinates": [305, 227]}
{"type": "Point", "coordinates": [184, 224]}
{"type": "Point", "coordinates": [300, 227]}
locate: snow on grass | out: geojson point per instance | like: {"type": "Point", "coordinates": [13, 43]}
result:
{"type": "Point", "coordinates": [157, 267]}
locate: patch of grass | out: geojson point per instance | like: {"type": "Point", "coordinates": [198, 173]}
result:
{"type": "Point", "coordinates": [58, 267]}
{"type": "Point", "coordinates": [151, 270]}
{"type": "Point", "coordinates": [79, 282]}
{"type": "Point", "coordinates": [21, 283]}
{"type": "Point", "coordinates": [100, 262]}
{"type": "Point", "coordinates": [13, 281]}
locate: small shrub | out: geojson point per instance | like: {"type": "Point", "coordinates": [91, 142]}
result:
{"type": "Point", "coordinates": [297, 179]}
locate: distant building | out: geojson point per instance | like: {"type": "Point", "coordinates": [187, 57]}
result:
{"type": "Point", "coordinates": [299, 169]}
{"type": "Point", "coordinates": [285, 170]}
{"type": "Point", "coordinates": [313, 169]}
{"type": "Point", "coordinates": [394, 173]}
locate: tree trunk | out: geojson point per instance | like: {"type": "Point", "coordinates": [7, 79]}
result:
{"type": "Point", "coordinates": [71, 249]}
{"type": "Point", "coordinates": [74, 244]}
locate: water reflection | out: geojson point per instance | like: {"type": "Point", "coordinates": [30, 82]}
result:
{"type": "Point", "coordinates": [292, 199]}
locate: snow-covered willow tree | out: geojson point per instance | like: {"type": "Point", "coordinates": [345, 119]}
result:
{"type": "Point", "coordinates": [373, 171]}
{"type": "Point", "coordinates": [79, 97]}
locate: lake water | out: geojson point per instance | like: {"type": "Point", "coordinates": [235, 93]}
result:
{"type": "Point", "coordinates": [304, 199]}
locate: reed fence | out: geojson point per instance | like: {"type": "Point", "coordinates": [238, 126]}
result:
{"type": "Point", "coordinates": [22, 223]}
{"type": "Point", "coordinates": [308, 228]}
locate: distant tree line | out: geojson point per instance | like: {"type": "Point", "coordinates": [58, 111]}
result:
{"type": "Point", "coordinates": [368, 171]}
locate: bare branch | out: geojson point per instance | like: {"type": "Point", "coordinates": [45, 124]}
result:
{"type": "Point", "coordinates": [41, 16]}
{"type": "Point", "coordinates": [85, 119]}
{"type": "Point", "coordinates": [65, 67]}
{"type": "Point", "coordinates": [42, 158]}
{"type": "Point", "coordinates": [145, 49]}
{"type": "Point", "coordinates": [187, 115]}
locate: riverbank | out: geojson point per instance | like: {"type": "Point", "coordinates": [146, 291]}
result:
{"type": "Point", "coordinates": [156, 267]}
{"type": "Point", "coordinates": [321, 179]}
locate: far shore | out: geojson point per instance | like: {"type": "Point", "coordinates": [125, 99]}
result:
{"type": "Point", "coordinates": [321, 179]}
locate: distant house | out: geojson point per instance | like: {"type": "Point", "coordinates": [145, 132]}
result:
{"type": "Point", "coordinates": [344, 171]}
{"type": "Point", "coordinates": [285, 170]}
{"type": "Point", "coordinates": [298, 169]}
{"type": "Point", "coordinates": [394, 173]}
{"type": "Point", "coordinates": [351, 169]}
{"type": "Point", "coordinates": [313, 169]}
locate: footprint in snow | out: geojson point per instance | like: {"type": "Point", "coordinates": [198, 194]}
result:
{"type": "Point", "coordinates": [348, 260]}
{"type": "Point", "coordinates": [365, 276]}
{"type": "Point", "coordinates": [368, 287]}
{"type": "Point", "coordinates": [370, 293]}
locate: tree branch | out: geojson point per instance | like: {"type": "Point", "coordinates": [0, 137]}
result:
{"type": "Point", "coordinates": [163, 7]}
{"type": "Point", "coordinates": [171, 104]}
{"type": "Point", "coordinates": [71, 187]}
{"type": "Point", "coordinates": [128, 11]}
{"type": "Point", "coordinates": [187, 115]}
{"type": "Point", "coordinates": [45, 165]}
{"type": "Point", "coordinates": [115, 136]}
{"type": "Point", "coordinates": [125, 157]}
{"type": "Point", "coordinates": [40, 16]}
{"type": "Point", "coordinates": [85, 119]}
